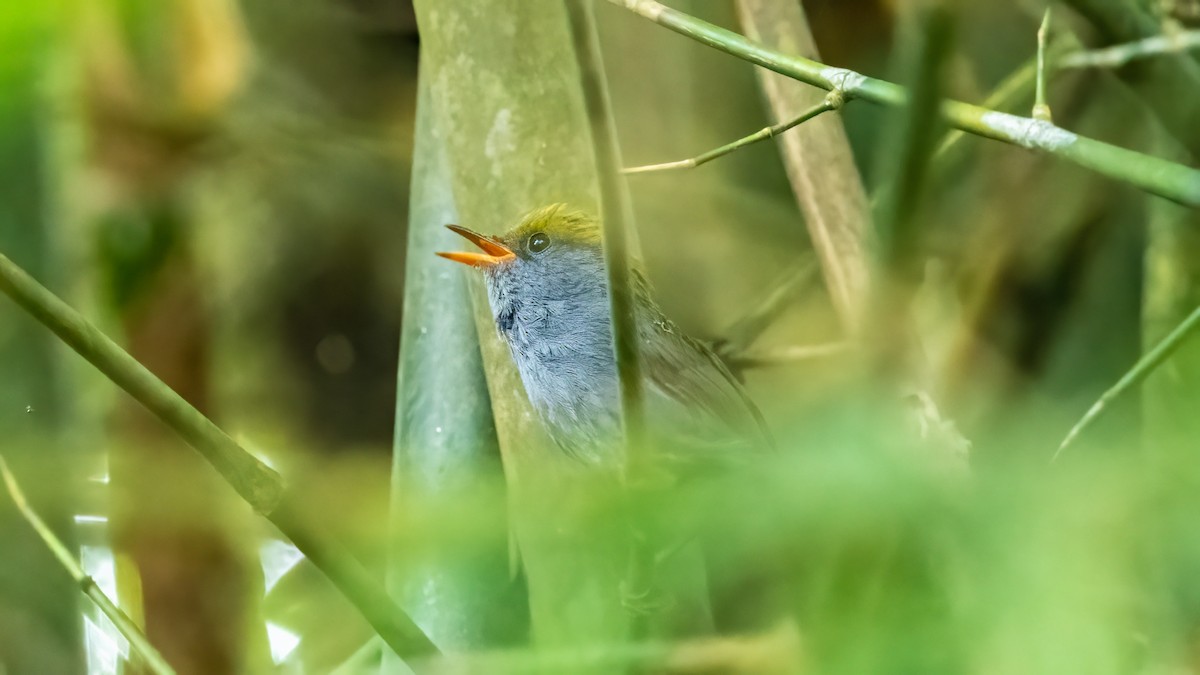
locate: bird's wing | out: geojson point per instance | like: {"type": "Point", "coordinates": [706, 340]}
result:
{"type": "Point", "coordinates": [694, 405]}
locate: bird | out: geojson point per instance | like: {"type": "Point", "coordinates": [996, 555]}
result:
{"type": "Point", "coordinates": [547, 290]}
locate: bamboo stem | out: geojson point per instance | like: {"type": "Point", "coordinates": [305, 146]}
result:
{"type": "Point", "coordinates": [1145, 365]}
{"type": "Point", "coordinates": [258, 484]}
{"type": "Point", "coordinates": [616, 219]}
{"type": "Point", "coordinates": [1170, 180]}
{"type": "Point", "coordinates": [125, 626]}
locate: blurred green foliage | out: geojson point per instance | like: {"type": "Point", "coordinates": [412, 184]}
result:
{"type": "Point", "coordinates": [262, 153]}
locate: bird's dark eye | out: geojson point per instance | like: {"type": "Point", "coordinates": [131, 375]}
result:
{"type": "Point", "coordinates": [538, 242]}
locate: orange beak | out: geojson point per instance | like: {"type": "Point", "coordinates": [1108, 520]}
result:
{"type": "Point", "coordinates": [494, 252]}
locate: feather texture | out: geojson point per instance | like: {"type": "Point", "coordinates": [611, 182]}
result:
{"type": "Point", "coordinates": [551, 307]}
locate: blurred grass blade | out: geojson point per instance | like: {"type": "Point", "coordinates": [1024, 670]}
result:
{"type": "Point", "coordinates": [925, 40]}
{"type": "Point", "coordinates": [137, 640]}
{"type": "Point", "coordinates": [445, 443]}
{"type": "Point", "coordinates": [1170, 297]}
{"type": "Point", "coordinates": [259, 485]}
{"type": "Point", "coordinates": [924, 36]}
{"type": "Point", "coordinates": [1142, 369]}
{"type": "Point", "coordinates": [777, 356]}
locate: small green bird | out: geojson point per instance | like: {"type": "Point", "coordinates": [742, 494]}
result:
{"type": "Point", "coordinates": [546, 285]}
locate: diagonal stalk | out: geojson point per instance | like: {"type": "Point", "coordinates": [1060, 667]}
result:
{"type": "Point", "coordinates": [259, 485]}
{"type": "Point", "coordinates": [832, 102]}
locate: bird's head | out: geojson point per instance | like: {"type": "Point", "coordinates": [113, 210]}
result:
{"type": "Point", "coordinates": [554, 253]}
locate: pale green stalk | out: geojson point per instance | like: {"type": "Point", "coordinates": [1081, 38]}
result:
{"type": "Point", "coordinates": [1041, 109]}
{"type": "Point", "coordinates": [484, 89]}
{"type": "Point", "coordinates": [1119, 55]}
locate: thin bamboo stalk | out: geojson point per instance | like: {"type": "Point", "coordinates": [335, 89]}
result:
{"type": "Point", "coordinates": [831, 102]}
{"type": "Point", "coordinates": [616, 217]}
{"type": "Point", "coordinates": [640, 580]}
{"type": "Point", "coordinates": [1041, 109]}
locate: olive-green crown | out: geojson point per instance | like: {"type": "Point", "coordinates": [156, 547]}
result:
{"type": "Point", "coordinates": [560, 223]}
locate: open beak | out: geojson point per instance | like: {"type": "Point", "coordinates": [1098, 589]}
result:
{"type": "Point", "coordinates": [494, 252]}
